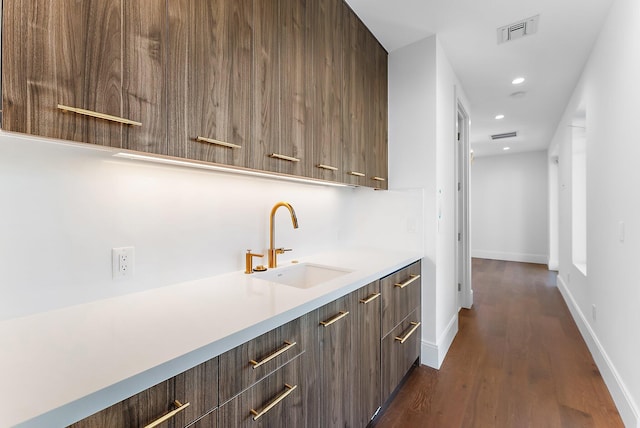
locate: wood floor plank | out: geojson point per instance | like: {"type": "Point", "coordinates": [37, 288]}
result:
{"type": "Point", "coordinates": [518, 360]}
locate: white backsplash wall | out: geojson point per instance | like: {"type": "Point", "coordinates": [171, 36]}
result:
{"type": "Point", "coordinates": [64, 207]}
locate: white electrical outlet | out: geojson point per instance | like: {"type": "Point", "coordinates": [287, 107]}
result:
{"type": "Point", "coordinates": [123, 262]}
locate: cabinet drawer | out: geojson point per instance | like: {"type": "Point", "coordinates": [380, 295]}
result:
{"type": "Point", "coordinates": [400, 349]}
{"type": "Point", "coordinates": [248, 363]}
{"type": "Point", "coordinates": [196, 386]}
{"type": "Point", "coordinates": [400, 295]}
{"type": "Point", "coordinates": [275, 401]}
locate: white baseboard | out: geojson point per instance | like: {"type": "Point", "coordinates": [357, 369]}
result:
{"type": "Point", "coordinates": [433, 354]}
{"type": "Point", "coordinates": [553, 265]}
{"type": "Point", "coordinates": [511, 257]}
{"type": "Point", "coordinates": [621, 397]}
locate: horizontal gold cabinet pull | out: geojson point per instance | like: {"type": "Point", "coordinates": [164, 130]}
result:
{"type": "Point", "coordinates": [217, 142]}
{"type": "Point", "coordinates": [285, 348]}
{"type": "Point", "coordinates": [378, 179]}
{"type": "Point", "coordinates": [288, 390]}
{"type": "Point", "coordinates": [370, 299]}
{"type": "Point", "coordinates": [408, 281]}
{"type": "Point", "coordinates": [99, 115]}
{"type": "Point", "coordinates": [169, 415]}
{"type": "Point", "coordinates": [284, 157]}
{"type": "Point", "coordinates": [356, 173]}
{"type": "Point", "coordinates": [409, 333]}
{"type": "Point", "coordinates": [338, 317]}
{"type": "Point", "coordinates": [329, 167]}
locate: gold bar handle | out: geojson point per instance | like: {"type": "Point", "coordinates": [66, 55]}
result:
{"type": "Point", "coordinates": [169, 415]}
{"type": "Point", "coordinates": [285, 348]}
{"type": "Point", "coordinates": [378, 179]}
{"type": "Point", "coordinates": [408, 281]}
{"type": "Point", "coordinates": [288, 390]}
{"type": "Point", "coordinates": [370, 299]}
{"type": "Point", "coordinates": [329, 167]}
{"type": "Point", "coordinates": [356, 173]}
{"type": "Point", "coordinates": [284, 157]}
{"type": "Point", "coordinates": [338, 317]}
{"type": "Point", "coordinates": [217, 142]}
{"type": "Point", "coordinates": [99, 115]}
{"type": "Point", "coordinates": [409, 333]}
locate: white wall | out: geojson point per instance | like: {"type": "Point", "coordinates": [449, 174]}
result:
{"type": "Point", "coordinates": [609, 91]}
{"type": "Point", "coordinates": [422, 115]}
{"type": "Point", "coordinates": [64, 207]}
{"type": "Point", "coordinates": [509, 200]}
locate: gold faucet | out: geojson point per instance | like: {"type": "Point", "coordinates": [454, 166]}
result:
{"type": "Point", "coordinates": [273, 252]}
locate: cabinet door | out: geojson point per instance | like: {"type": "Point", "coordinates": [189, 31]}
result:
{"type": "Point", "coordinates": [198, 387]}
{"type": "Point", "coordinates": [367, 339]}
{"type": "Point", "coordinates": [210, 66]}
{"type": "Point", "coordinates": [100, 56]}
{"type": "Point", "coordinates": [276, 401]}
{"type": "Point", "coordinates": [400, 349]}
{"type": "Point", "coordinates": [137, 411]}
{"type": "Point", "coordinates": [338, 364]}
{"type": "Point", "coordinates": [355, 100]}
{"type": "Point", "coordinates": [377, 112]}
{"type": "Point", "coordinates": [400, 295]}
{"type": "Point", "coordinates": [326, 25]}
{"type": "Point", "coordinates": [282, 101]}
{"type": "Point", "coordinates": [68, 53]}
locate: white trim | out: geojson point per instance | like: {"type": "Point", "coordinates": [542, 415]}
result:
{"type": "Point", "coordinates": [624, 402]}
{"type": "Point", "coordinates": [432, 354]}
{"type": "Point", "coordinates": [553, 265]}
{"type": "Point", "coordinates": [511, 257]}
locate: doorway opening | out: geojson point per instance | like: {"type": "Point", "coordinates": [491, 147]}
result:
{"type": "Point", "coordinates": [462, 229]}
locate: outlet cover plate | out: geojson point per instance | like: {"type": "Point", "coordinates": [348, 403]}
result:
{"type": "Point", "coordinates": [122, 262]}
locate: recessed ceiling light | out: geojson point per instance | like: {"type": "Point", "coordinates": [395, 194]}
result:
{"type": "Point", "coordinates": [499, 116]}
{"type": "Point", "coordinates": [506, 148]}
{"type": "Point", "coordinates": [518, 80]}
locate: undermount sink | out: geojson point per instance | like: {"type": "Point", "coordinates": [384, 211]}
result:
{"type": "Point", "coordinates": [303, 275]}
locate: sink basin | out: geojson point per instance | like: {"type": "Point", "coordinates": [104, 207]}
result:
{"type": "Point", "coordinates": [303, 275]}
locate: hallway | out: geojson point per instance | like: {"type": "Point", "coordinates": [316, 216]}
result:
{"type": "Point", "coordinates": [518, 361]}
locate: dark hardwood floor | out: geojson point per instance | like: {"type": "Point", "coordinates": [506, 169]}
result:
{"type": "Point", "coordinates": [518, 361]}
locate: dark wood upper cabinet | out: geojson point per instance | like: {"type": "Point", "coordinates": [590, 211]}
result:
{"type": "Point", "coordinates": [210, 69]}
{"type": "Point", "coordinates": [355, 100]}
{"type": "Point", "coordinates": [282, 89]}
{"type": "Point", "coordinates": [101, 56]}
{"type": "Point", "coordinates": [377, 154]}
{"type": "Point", "coordinates": [325, 161]}
{"type": "Point", "coordinates": [295, 87]}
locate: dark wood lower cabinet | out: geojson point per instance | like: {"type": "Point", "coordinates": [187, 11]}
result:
{"type": "Point", "coordinates": [276, 401]}
{"type": "Point", "coordinates": [398, 356]}
{"type": "Point", "coordinates": [331, 367]}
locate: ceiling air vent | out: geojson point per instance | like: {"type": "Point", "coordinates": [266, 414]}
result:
{"type": "Point", "coordinates": [505, 135]}
{"type": "Point", "coordinates": [517, 30]}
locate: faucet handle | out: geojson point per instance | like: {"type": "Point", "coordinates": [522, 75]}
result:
{"type": "Point", "coordinates": [249, 261]}
{"type": "Point", "coordinates": [282, 250]}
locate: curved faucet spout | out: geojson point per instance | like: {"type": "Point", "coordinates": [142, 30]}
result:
{"type": "Point", "coordinates": [273, 251]}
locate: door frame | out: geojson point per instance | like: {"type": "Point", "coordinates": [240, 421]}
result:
{"type": "Point", "coordinates": [462, 227]}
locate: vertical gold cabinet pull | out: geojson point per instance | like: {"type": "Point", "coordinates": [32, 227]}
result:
{"type": "Point", "coordinates": [169, 415]}
{"type": "Point", "coordinates": [408, 281]}
{"type": "Point", "coordinates": [287, 345]}
{"type": "Point", "coordinates": [217, 142]}
{"type": "Point", "coordinates": [284, 157]}
{"type": "Point", "coordinates": [370, 299]}
{"type": "Point", "coordinates": [338, 317]}
{"type": "Point", "coordinates": [288, 390]}
{"type": "Point", "coordinates": [356, 173]}
{"type": "Point", "coordinates": [329, 167]}
{"type": "Point", "coordinates": [409, 333]}
{"type": "Point", "coordinates": [99, 115]}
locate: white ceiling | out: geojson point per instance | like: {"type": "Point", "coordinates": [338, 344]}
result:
{"type": "Point", "coordinates": [551, 60]}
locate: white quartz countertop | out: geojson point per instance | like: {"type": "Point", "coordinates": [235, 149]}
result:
{"type": "Point", "coordinates": [60, 366]}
